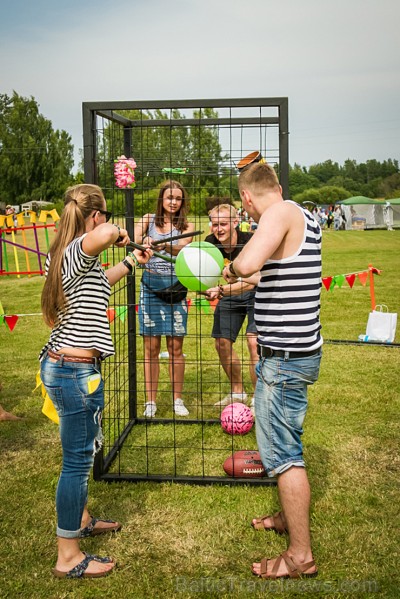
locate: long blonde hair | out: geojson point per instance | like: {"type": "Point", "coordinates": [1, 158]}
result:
{"type": "Point", "coordinates": [79, 202]}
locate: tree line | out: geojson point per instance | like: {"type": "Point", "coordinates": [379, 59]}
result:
{"type": "Point", "coordinates": [36, 161]}
{"type": "Point", "coordinates": [328, 182]}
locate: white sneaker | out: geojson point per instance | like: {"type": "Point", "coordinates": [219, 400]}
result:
{"type": "Point", "coordinates": [150, 409]}
{"type": "Point", "coordinates": [180, 409]}
{"type": "Point", "coordinates": [232, 398]}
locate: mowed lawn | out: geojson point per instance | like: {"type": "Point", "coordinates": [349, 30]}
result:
{"type": "Point", "coordinates": [185, 541]}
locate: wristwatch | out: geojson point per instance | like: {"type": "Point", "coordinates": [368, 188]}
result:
{"type": "Point", "coordinates": [128, 265]}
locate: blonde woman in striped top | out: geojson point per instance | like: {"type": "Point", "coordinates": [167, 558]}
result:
{"type": "Point", "coordinates": [74, 303]}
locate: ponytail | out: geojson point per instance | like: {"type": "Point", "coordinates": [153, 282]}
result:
{"type": "Point", "coordinates": [79, 202]}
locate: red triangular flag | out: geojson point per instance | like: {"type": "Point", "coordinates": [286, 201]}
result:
{"type": "Point", "coordinates": [11, 321]}
{"type": "Point", "coordinates": [327, 282]}
{"type": "Point", "coordinates": [363, 276]}
{"type": "Point", "coordinates": [111, 314]}
{"type": "Point", "coordinates": [350, 279]}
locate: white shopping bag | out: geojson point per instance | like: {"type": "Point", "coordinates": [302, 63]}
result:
{"type": "Point", "coordinates": [381, 325]}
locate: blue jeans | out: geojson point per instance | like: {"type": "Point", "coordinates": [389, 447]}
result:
{"type": "Point", "coordinates": [280, 402]}
{"type": "Point", "coordinates": [81, 436]}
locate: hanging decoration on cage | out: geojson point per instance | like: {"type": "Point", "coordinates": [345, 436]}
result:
{"type": "Point", "coordinates": [175, 171]}
{"type": "Point", "coordinates": [199, 265]}
{"type": "Point", "coordinates": [124, 172]}
{"type": "Point", "coordinates": [251, 158]}
{"type": "Point", "coordinates": [338, 280]}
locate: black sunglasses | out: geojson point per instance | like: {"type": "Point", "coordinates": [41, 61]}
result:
{"type": "Point", "coordinates": [106, 213]}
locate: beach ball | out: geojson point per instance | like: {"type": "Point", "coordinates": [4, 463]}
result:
{"type": "Point", "coordinates": [199, 265]}
{"type": "Point", "coordinates": [236, 419]}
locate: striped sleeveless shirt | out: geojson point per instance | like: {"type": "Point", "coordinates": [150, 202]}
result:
{"type": "Point", "coordinates": [84, 322]}
{"type": "Point", "coordinates": [287, 304]}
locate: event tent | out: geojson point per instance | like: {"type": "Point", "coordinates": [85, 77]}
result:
{"type": "Point", "coordinates": [361, 212]}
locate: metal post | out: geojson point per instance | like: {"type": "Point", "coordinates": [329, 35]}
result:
{"type": "Point", "coordinates": [131, 291]}
{"type": "Point", "coordinates": [284, 147]}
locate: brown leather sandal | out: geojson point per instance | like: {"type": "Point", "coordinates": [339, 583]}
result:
{"type": "Point", "coordinates": [278, 524]}
{"type": "Point", "coordinates": [294, 570]}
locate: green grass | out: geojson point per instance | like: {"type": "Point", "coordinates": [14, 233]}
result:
{"type": "Point", "coordinates": [184, 541]}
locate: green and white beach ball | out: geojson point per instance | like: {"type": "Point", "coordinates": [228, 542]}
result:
{"type": "Point", "coordinates": [199, 265]}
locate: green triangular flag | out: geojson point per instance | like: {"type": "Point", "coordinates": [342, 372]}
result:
{"type": "Point", "coordinates": [121, 312]}
{"type": "Point", "coordinates": [339, 280]}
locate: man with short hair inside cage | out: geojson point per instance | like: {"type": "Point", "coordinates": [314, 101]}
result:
{"type": "Point", "coordinates": [236, 302]}
{"type": "Point", "coordinates": [284, 255]}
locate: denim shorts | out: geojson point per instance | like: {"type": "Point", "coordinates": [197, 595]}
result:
{"type": "Point", "coordinates": [80, 430]}
{"type": "Point", "coordinates": [280, 402]}
{"type": "Point", "coordinates": [156, 318]}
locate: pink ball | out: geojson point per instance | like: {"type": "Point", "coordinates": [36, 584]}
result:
{"type": "Point", "coordinates": [236, 419]}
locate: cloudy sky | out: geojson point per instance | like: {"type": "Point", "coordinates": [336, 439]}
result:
{"type": "Point", "coordinates": [336, 60]}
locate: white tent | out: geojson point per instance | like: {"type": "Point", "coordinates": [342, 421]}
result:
{"type": "Point", "coordinates": [34, 204]}
{"type": "Point", "coordinates": [364, 213]}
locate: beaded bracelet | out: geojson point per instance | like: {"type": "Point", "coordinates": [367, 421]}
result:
{"type": "Point", "coordinates": [136, 261]}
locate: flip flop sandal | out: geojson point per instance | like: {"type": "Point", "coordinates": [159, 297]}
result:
{"type": "Point", "coordinates": [278, 524]}
{"type": "Point", "coordinates": [80, 570]}
{"type": "Point", "coordinates": [91, 531]}
{"type": "Point", "coordinates": [294, 570]}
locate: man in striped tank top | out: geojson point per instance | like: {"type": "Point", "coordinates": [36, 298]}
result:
{"type": "Point", "coordinates": [284, 259]}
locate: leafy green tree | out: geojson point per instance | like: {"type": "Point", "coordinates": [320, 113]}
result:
{"type": "Point", "coordinates": [354, 187]}
{"type": "Point", "coordinates": [35, 159]}
{"type": "Point", "coordinates": [324, 171]}
{"type": "Point", "coordinates": [322, 195]}
{"type": "Point", "coordinates": [300, 180]}
{"type": "Point", "coordinates": [389, 185]}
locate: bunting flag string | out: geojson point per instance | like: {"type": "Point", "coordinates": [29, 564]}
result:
{"type": "Point", "coordinates": [202, 304]}
{"type": "Point", "coordinates": [11, 319]}
{"type": "Point", "coordinates": [338, 280]}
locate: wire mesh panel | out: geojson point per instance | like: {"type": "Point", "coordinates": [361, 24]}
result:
{"type": "Point", "coordinates": [197, 144]}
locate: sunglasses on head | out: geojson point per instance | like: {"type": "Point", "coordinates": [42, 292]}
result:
{"type": "Point", "coordinates": [106, 213]}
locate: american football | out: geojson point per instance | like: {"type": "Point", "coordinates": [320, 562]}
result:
{"type": "Point", "coordinates": [244, 464]}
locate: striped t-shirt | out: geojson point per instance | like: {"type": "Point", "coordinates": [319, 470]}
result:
{"type": "Point", "coordinates": [287, 304]}
{"type": "Point", "coordinates": [84, 322]}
